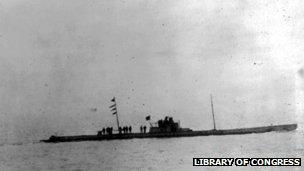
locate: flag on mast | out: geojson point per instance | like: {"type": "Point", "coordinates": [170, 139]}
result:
{"type": "Point", "coordinates": [148, 118]}
{"type": "Point", "coordinates": [114, 105]}
{"type": "Point", "coordinates": [113, 108]}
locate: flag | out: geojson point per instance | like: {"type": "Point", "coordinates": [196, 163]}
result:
{"type": "Point", "coordinates": [115, 113]}
{"type": "Point", "coordinates": [114, 105]}
{"type": "Point", "coordinates": [148, 118]}
{"type": "Point", "coordinates": [113, 100]}
{"type": "Point", "coordinates": [114, 109]}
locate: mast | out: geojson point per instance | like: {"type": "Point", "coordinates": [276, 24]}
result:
{"type": "Point", "coordinates": [114, 108]}
{"type": "Point", "coordinates": [117, 117]}
{"type": "Point", "coordinates": [214, 127]}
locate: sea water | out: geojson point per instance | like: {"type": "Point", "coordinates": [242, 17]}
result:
{"type": "Point", "coordinates": [151, 154]}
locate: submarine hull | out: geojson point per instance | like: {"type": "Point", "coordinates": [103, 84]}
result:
{"type": "Point", "coordinates": [189, 133]}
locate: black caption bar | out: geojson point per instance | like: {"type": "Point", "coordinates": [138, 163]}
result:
{"type": "Point", "coordinates": [247, 161]}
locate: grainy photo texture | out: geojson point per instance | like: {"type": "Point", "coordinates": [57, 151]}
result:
{"type": "Point", "coordinates": [151, 85]}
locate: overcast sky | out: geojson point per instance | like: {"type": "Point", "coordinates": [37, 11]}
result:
{"type": "Point", "coordinates": [63, 61]}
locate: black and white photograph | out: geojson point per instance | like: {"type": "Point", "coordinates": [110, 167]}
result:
{"type": "Point", "coordinates": [164, 85]}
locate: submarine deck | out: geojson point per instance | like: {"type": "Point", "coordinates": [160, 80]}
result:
{"type": "Point", "coordinates": [287, 127]}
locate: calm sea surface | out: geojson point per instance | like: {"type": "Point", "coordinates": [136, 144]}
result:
{"type": "Point", "coordinates": [151, 154]}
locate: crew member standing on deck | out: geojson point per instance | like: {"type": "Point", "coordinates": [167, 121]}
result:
{"type": "Point", "coordinates": [111, 130]}
{"type": "Point", "coordinates": [130, 129]}
{"type": "Point", "coordinates": [108, 130]}
{"type": "Point", "coordinates": [119, 130]}
{"type": "Point", "coordinates": [145, 129]}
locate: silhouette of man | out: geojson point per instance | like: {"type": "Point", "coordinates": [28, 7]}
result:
{"type": "Point", "coordinates": [119, 130]}
{"type": "Point", "coordinates": [111, 130]}
{"type": "Point", "coordinates": [145, 129]}
{"type": "Point", "coordinates": [126, 129]}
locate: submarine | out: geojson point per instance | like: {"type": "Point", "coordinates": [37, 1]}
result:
{"type": "Point", "coordinates": [165, 128]}
{"type": "Point", "coordinates": [170, 129]}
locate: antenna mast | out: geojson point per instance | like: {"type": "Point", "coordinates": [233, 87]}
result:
{"type": "Point", "coordinates": [214, 127]}
{"type": "Point", "coordinates": [117, 117]}
{"type": "Point", "coordinates": [114, 109]}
